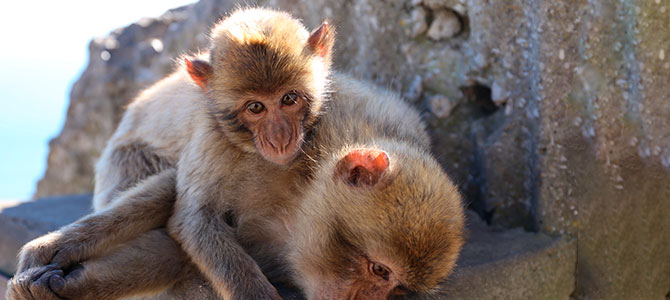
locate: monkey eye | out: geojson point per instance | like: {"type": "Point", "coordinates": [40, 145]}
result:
{"type": "Point", "coordinates": [289, 98]}
{"type": "Point", "coordinates": [380, 271]}
{"type": "Point", "coordinates": [256, 107]}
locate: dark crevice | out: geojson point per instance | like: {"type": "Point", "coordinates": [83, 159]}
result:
{"type": "Point", "coordinates": [480, 95]}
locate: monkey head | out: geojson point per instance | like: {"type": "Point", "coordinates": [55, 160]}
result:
{"type": "Point", "coordinates": [376, 224]}
{"type": "Point", "coordinates": [266, 80]}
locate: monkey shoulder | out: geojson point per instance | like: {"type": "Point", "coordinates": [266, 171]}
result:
{"type": "Point", "coordinates": [361, 110]}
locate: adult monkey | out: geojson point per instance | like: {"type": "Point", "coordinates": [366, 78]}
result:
{"type": "Point", "coordinates": [241, 110]}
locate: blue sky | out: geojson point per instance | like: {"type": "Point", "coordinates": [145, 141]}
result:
{"type": "Point", "coordinates": [43, 51]}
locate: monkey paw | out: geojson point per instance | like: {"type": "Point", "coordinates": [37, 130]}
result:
{"type": "Point", "coordinates": [34, 284]}
{"type": "Point", "coordinates": [36, 253]}
{"type": "Point", "coordinates": [51, 249]}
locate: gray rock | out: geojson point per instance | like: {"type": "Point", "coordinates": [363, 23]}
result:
{"type": "Point", "coordinates": [580, 148]}
{"type": "Point", "coordinates": [21, 222]}
{"type": "Point", "coordinates": [498, 95]}
{"type": "Point", "coordinates": [445, 25]}
{"type": "Point", "coordinates": [415, 90]}
{"type": "Point", "coordinates": [440, 105]}
{"type": "Point", "coordinates": [512, 264]}
{"type": "Point", "coordinates": [415, 23]}
{"type": "Point", "coordinates": [3, 286]}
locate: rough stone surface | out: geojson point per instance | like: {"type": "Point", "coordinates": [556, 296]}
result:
{"type": "Point", "coordinates": [512, 264]}
{"type": "Point", "coordinates": [445, 25]}
{"type": "Point", "coordinates": [415, 90]}
{"type": "Point", "coordinates": [3, 286]}
{"type": "Point", "coordinates": [440, 105]}
{"type": "Point", "coordinates": [416, 22]}
{"type": "Point", "coordinates": [21, 222]}
{"type": "Point", "coordinates": [573, 139]}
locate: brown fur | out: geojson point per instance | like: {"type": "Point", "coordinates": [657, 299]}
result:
{"type": "Point", "coordinates": [238, 217]}
{"type": "Point", "coordinates": [174, 122]}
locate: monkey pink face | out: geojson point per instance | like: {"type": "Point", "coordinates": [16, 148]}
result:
{"type": "Point", "coordinates": [387, 224]}
{"type": "Point", "coordinates": [276, 123]}
{"type": "Point", "coordinates": [370, 280]}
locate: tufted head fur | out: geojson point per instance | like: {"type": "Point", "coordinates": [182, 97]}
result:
{"type": "Point", "coordinates": [257, 52]}
{"type": "Point", "coordinates": [409, 220]}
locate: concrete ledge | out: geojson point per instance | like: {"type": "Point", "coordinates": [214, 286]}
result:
{"type": "Point", "coordinates": [512, 264]}
{"type": "Point", "coordinates": [3, 286]}
{"type": "Point", "coordinates": [494, 264]}
{"type": "Point", "coordinates": [20, 222]}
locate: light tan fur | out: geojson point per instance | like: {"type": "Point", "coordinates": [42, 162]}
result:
{"type": "Point", "coordinates": [169, 123]}
{"type": "Point", "coordinates": [240, 219]}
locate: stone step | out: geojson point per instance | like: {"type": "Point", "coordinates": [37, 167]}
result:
{"type": "Point", "coordinates": [20, 222]}
{"type": "Point", "coordinates": [495, 263]}
{"type": "Point", "coordinates": [3, 286]}
{"type": "Point", "coordinates": [512, 264]}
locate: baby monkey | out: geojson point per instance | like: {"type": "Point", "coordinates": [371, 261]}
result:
{"type": "Point", "coordinates": [241, 111]}
{"type": "Point", "coordinates": [351, 205]}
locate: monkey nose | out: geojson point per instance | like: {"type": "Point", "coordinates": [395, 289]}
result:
{"type": "Point", "coordinates": [280, 138]}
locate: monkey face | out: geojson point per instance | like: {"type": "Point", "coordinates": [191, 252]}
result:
{"type": "Point", "coordinates": [266, 78]}
{"type": "Point", "coordinates": [376, 224]}
{"type": "Point", "coordinates": [276, 122]}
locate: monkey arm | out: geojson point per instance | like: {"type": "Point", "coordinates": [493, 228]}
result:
{"type": "Point", "coordinates": [197, 224]}
{"type": "Point", "coordinates": [211, 245]}
{"type": "Point", "coordinates": [140, 209]}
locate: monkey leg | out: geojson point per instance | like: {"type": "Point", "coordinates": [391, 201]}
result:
{"type": "Point", "coordinates": [147, 265]}
{"type": "Point", "coordinates": [140, 209]}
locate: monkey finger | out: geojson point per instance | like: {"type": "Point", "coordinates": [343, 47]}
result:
{"type": "Point", "coordinates": [72, 285]}
{"type": "Point", "coordinates": [32, 274]}
{"type": "Point", "coordinates": [65, 258]}
{"type": "Point", "coordinates": [40, 288]}
{"type": "Point", "coordinates": [29, 285]}
{"type": "Point", "coordinates": [28, 259]}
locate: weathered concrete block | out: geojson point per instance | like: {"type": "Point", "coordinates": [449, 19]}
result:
{"type": "Point", "coordinates": [21, 222]}
{"type": "Point", "coordinates": [3, 286]}
{"type": "Point", "coordinates": [513, 264]}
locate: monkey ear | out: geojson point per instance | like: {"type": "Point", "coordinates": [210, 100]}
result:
{"type": "Point", "coordinates": [362, 167]}
{"type": "Point", "coordinates": [322, 39]}
{"type": "Point", "coordinates": [199, 70]}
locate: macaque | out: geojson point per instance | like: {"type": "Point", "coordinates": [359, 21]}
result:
{"type": "Point", "coordinates": [380, 218]}
{"type": "Point", "coordinates": [247, 105]}
{"type": "Point", "coordinates": [262, 167]}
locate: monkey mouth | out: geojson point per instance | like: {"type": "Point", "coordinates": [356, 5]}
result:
{"type": "Point", "coordinates": [281, 157]}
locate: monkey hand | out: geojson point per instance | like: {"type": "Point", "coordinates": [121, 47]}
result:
{"type": "Point", "coordinates": [33, 284]}
{"type": "Point", "coordinates": [54, 248]}
{"type": "Point", "coordinates": [51, 283]}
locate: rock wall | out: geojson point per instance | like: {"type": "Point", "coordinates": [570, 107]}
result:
{"type": "Point", "coordinates": [551, 115]}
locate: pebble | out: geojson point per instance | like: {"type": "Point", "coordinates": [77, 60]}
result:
{"type": "Point", "coordinates": [498, 95]}
{"type": "Point", "coordinates": [445, 25]}
{"type": "Point", "coordinates": [440, 105]}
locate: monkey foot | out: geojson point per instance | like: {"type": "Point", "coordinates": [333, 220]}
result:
{"type": "Point", "coordinates": [34, 284]}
